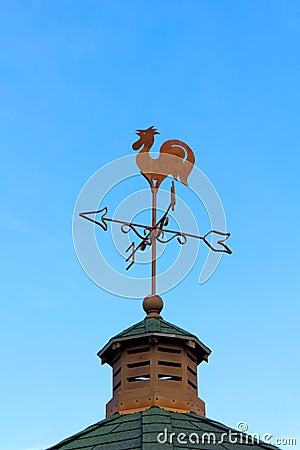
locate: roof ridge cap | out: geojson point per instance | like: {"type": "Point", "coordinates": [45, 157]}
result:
{"type": "Point", "coordinates": [130, 328]}
{"type": "Point", "coordinates": [180, 329]}
{"type": "Point", "coordinates": [92, 427]}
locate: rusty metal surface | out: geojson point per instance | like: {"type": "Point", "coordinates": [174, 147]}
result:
{"type": "Point", "coordinates": [177, 159]}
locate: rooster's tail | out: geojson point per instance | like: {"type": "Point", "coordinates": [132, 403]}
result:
{"type": "Point", "coordinates": [186, 159]}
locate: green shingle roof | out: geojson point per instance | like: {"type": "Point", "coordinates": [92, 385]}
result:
{"type": "Point", "coordinates": [140, 430]}
{"type": "Point", "coordinates": [155, 327]}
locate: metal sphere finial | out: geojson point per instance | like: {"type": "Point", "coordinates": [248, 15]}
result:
{"type": "Point", "coordinates": [153, 304]}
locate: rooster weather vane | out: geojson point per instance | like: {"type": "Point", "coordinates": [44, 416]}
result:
{"type": "Point", "coordinates": [176, 158]}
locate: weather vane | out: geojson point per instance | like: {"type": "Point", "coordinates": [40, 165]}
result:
{"type": "Point", "coordinates": [176, 158]}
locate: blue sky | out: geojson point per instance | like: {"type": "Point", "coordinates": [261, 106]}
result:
{"type": "Point", "coordinates": [77, 78]}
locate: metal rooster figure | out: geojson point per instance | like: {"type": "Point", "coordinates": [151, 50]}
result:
{"type": "Point", "coordinates": [176, 158]}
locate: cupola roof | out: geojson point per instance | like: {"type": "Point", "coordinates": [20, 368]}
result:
{"type": "Point", "coordinates": [152, 326]}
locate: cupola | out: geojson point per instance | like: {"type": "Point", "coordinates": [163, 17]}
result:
{"type": "Point", "coordinates": [154, 364]}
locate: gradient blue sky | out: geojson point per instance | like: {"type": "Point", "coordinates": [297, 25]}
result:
{"type": "Point", "coordinates": [77, 78]}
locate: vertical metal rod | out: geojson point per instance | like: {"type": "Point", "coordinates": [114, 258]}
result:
{"type": "Point", "coordinates": [153, 278]}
